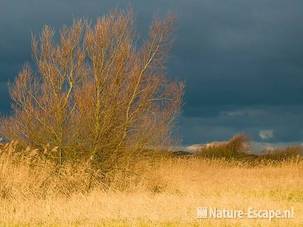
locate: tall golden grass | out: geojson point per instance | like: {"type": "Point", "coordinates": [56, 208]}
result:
{"type": "Point", "coordinates": [167, 193]}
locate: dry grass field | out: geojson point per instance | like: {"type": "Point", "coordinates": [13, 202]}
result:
{"type": "Point", "coordinates": [95, 113]}
{"type": "Point", "coordinates": [94, 117]}
{"type": "Point", "coordinates": [165, 194]}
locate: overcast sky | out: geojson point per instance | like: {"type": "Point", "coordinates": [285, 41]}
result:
{"type": "Point", "coordinates": [241, 60]}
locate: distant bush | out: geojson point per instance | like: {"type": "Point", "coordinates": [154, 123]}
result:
{"type": "Point", "coordinates": [282, 154]}
{"type": "Point", "coordinates": [236, 147]}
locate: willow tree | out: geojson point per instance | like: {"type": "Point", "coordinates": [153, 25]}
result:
{"type": "Point", "coordinates": [96, 92]}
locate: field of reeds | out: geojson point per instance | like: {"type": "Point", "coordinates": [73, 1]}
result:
{"type": "Point", "coordinates": [166, 192]}
{"type": "Point", "coordinates": [94, 119]}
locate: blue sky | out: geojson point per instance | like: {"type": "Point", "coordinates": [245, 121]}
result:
{"type": "Point", "coordinates": [241, 60]}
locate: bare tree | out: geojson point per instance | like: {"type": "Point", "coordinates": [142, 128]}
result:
{"type": "Point", "coordinates": [97, 94]}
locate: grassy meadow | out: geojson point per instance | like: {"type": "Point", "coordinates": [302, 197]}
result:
{"type": "Point", "coordinates": [162, 193]}
{"type": "Point", "coordinates": [91, 115]}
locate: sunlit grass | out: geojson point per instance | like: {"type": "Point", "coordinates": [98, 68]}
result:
{"type": "Point", "coordinates": [165, 194]}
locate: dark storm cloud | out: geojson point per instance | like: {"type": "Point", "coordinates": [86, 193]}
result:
{"type": "Point", "coordinates": [285, 122]}
{"type": "Point", "coordinates": [4, 102]}
{"type": "Point", "coordinates": [247, 52]}
{"type": "Point", "coordinates": [241, 60]}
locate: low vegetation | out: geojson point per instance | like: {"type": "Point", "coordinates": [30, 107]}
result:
{"type": "Point", "coordinates": [238, 149]}
{"type": "Point", "coordinates": [166, 193]}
